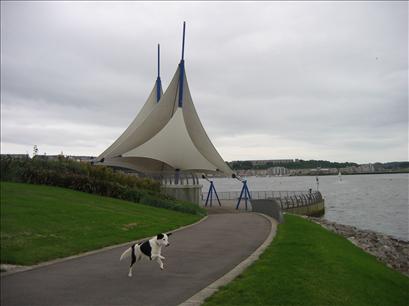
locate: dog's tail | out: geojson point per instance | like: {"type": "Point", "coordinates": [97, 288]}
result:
{"type": "Point", "coordinates": [126, 254]}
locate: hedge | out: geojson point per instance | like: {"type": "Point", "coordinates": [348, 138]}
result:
{"type": "Point", "coordinates": [85, 177]}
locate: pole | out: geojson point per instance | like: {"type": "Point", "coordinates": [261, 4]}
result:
{"type": "Point", "coordinates": [183, 41]}
{"type": "Point", "coordinates": [210, 194]}
{"type": "Point", "coordinates": [158, 81]}
{"type": "Point", "coordinates": [207, 199]}
{"type": "Point", "coordinates": [241, 194]}
{"type": "Point", "coordinates": [244, 192]}
{"type": "Point", "coordinates": [182, 69]}
{"type": "Point", "coordinates": [158, 60]}
{"type": "Point", "coordinates": [217, 196]}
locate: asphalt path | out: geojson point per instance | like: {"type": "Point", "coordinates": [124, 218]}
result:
{"type": "Point", "coordinates": [197, 256]}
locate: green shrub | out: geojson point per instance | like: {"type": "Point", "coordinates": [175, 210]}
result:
{"type": "Point", "coordinates": [41, 171]}
{"type": "Point", "coordinates": [85, 177]}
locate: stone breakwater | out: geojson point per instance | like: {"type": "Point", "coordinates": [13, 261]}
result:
{"type": "Point", "coordinates": [391, 251]}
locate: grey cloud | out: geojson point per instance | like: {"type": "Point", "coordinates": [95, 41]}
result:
{"type": "Point", "coordinates": [312, 76]}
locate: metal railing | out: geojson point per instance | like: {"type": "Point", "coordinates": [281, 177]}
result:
{"type": "Point", "coordinates": [299, 199]}
{"type": "Point", "coordinates": [286, 199]}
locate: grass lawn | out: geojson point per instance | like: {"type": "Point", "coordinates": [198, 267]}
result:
{"type": "Point", "coordinates": [308, 265]}
{"type": "Point", "coordinates": [40, 223]}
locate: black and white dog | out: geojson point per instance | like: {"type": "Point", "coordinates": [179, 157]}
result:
{"type": "Point", "coordinates": [151, 249]}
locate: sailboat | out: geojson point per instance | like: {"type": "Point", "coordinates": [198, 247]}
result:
{"type": "Point", "coordinates": [339, 175]}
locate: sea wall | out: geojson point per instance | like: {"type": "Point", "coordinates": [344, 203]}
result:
{"type": "Point", "coordinates": [274, 209]}
{"type": "Point", "coordinates": [391, 251]}
{"type": "Point", "coordinates": [269, 207]}
{"type": "Point", "coordinates": [312, 210]}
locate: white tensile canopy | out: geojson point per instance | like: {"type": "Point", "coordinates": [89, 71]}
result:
{"type": "Point", "coordinates": [166, 136]}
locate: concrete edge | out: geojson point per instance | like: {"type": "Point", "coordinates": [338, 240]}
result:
{"type": "Point", "coordinates": [60, 260]}
{"type": "Point", "coordinates": [199, 298]}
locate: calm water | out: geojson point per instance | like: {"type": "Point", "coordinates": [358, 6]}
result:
{"type": "Point", "coordinates": [377, 202]}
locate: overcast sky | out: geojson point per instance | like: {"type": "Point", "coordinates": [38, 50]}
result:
{"type": "Point", "coordinates": [270, 80]}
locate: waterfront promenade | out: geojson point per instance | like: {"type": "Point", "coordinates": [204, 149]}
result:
{"type": "Point", "coordinates": [198, 255]}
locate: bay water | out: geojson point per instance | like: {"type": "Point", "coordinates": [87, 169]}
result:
{"type": "Point", "coordinates": [377, 202]}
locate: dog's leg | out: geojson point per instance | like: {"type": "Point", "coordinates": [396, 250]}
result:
{"type": "Point", "coordinates": [133, 260]}
{"type": "Point", "coordinates": [159, 261]}
{"type": "Point", "coordinates": [162, 257]}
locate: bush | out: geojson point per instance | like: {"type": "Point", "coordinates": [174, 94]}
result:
{"type": "Point", "coordinates": [85, 177]}
{"type": "Point", "coordinates": [41, 171]}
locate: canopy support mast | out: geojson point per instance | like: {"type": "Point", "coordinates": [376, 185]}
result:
{"type": "Point", "coordinates": [158, 81]}
{"type": "Point", "coordinates": [182, 69]}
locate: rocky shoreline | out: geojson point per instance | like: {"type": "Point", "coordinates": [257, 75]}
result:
{"type": "Point", "coordinates": [391, 251]}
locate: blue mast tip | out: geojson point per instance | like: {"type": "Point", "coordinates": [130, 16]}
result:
{"type": "Point", "coordinates": [182, 68]}
{"type": "Point", "coordinates": [183, 41]}
{"type": "Point", "coordinates": [158, 81]}
{"type": "Point", "coordinates": [158, 60]}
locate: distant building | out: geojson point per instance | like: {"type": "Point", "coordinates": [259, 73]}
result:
{"type": "Point", "coordinates": [364, 168]}
{"type": "Point", "coordinates": [300, 171]}
{"type": "Point", "coordinates": [278, 171]}
{"type": "Point", "coordinates": [250, 172]}
{"type": "Point", "coordinates": [272, 161]}
{"type": "Point", "coordinates": [323, 171]}
{"type": "Point", "coordinates": [367, 168]}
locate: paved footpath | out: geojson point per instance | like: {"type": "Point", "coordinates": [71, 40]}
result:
{"type": "Point", "coordinates": [197, 256]}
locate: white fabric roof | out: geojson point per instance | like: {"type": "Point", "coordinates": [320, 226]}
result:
{"type": "Point", "coordinates": [126, 137]}
{"type": "Point", "coordinates": [164, 137]}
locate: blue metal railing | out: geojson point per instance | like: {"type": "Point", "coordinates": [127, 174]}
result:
{"type": "Point", "coordinates": [286, 199]}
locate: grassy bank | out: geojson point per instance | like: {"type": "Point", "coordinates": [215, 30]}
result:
{"type": "Point", "coordinates": [85, 177]}
{"type": "Point", "coordinates": [40, 223]}
{"type": "Point", "coordinates": [308, 265]}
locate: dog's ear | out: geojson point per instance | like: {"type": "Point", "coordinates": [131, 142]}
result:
{"type": "Point", "coordinates": [159, 236]}
{"type": "Point", "coordinates": [169, 234]}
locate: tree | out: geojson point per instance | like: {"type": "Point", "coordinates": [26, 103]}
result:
{"type": "Point", "coordinates": [35, 150]}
